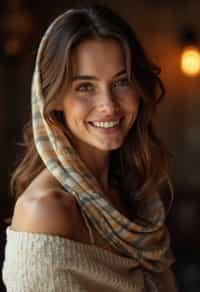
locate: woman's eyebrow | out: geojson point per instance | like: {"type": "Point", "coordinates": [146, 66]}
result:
{"type": "Point", "coordinates": [89, 77]}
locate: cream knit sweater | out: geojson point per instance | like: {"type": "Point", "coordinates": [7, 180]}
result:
{"type": "Point", "coordinates": [37, 262]}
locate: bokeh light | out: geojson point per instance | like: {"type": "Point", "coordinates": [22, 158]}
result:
{"type": "Point", "coordinates": [190, 61]}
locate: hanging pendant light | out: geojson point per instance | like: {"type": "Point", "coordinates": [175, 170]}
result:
{"type": "Point", "coordinates": [190, 61]}
{"type": "Point", "coordinates": [190, 53]}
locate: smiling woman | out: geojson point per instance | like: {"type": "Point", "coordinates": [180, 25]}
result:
{"type": "Point", "coordinates": [101, 104]}
{"type": "Point", "coordinates": [88, 214]}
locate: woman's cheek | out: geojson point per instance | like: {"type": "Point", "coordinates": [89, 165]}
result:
{"type": "Point", "coordinates": [130, 102]}
{"type": "Point", "coordinates": [83, 105]}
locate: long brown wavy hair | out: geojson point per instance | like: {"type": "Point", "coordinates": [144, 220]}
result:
{"type": "Point", "coordinates": [141, 166]}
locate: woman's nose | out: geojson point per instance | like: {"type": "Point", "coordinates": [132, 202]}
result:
{"type": "Point", "coordinates": [108, 102]}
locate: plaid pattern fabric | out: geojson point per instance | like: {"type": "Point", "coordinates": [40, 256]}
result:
{"type": "Point", "coordinates": [145, 239]}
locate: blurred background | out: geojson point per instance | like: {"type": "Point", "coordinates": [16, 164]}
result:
{"type": "Point", "coordinates": [170, 32]}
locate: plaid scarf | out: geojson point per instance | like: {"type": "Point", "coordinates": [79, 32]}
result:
{"type": "Point", "coordinates": [145, 239]}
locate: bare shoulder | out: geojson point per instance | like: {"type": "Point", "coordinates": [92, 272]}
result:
{"type": "Point", "coordinates": [45, 208]}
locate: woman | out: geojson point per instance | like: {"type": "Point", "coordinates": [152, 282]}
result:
{"type": "Point", "coordinates": [88, 215]}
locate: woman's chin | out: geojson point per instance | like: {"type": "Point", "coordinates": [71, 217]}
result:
{"type": "Point", "coordinates": [109, 146]}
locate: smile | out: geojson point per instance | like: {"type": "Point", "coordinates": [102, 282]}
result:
{"type": "Point", "coordinates": [105, 124]}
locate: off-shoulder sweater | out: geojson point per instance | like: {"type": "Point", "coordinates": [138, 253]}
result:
{"type": "Point", "coordinates": [38, 262]}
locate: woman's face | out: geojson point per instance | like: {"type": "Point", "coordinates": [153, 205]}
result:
{"type": "Point", "coordinates": [100, 104]}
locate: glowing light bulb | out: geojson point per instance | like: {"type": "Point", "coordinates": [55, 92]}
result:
{"type": "Point", "coordinates": [190, 61]}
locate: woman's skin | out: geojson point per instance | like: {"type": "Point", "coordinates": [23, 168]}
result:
{"type": "Point", "coordinates": [99, 91]}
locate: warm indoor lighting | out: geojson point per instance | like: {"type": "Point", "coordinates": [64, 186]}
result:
{"type": "Point", "coordinates": [190, 61]}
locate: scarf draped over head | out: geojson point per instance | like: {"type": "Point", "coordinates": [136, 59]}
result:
{"type": "Point", "coordinates": [145, 239]}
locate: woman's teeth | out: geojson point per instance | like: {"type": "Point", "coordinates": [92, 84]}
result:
{"type": "Point", "coordinates": [105, 124]}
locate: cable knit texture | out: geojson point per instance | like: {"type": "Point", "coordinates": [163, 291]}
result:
{"type": "Point", "coordinates": [37, 262]}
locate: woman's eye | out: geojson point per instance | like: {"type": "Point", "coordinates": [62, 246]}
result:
{"type": "Point", "coordinates": [86, 87]}
{"type": "Point", "coordinates": [122, 82]}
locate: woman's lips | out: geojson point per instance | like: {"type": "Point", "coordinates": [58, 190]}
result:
{"type": "Point", "coordinates": [111, 130]}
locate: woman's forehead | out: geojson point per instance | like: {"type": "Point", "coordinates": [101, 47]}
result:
{"type": "Point", "coordinates": [97, 57]}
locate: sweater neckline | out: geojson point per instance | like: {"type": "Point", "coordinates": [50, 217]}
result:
{"type": "Point", "coordinates": [79, 246]}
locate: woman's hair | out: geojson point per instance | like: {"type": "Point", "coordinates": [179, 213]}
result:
{"type": "Point", "coordinates": [141, 166]}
